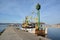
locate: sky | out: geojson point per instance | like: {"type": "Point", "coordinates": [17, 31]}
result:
{"type": "Point", "coordinates": [14, 11]}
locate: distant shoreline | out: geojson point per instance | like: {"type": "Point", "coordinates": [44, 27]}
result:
{"type": "Point", "coordinates": [53, 27]}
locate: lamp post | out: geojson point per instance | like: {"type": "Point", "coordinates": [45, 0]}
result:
{"type": "Point", "coordinates": [38, 7]}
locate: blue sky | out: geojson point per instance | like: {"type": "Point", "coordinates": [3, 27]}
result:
{"type": "Point", "coordinates": [14, 11]}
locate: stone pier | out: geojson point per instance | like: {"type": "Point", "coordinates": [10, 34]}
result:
{"type": "Point", "coordinates": [11, 33]}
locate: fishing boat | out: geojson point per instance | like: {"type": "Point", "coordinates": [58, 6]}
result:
{"type": "Point", "coordinates": [33, 28]}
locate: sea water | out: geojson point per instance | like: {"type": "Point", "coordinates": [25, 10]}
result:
{"type": "Point", "coordinates": [53, 33]}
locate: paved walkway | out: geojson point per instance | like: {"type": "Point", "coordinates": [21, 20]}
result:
{"type": "Point", "coordinates": [12, 33]}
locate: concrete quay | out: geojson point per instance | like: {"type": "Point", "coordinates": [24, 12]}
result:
{"type": "Point", "coordinates": [11, 33]}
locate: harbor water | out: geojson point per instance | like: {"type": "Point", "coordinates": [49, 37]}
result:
{"type": "Point", "coordinates": [53, 33]}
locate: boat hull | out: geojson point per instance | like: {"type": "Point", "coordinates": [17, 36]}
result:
{"type": "Point", "coordinates": [40, 32]}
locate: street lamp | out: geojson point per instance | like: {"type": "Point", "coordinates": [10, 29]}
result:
{"type": "Point", "coordinates": [38, 7]}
